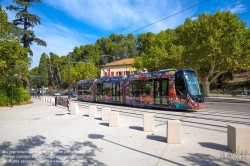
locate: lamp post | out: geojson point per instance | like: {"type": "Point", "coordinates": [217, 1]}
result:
{"type": "Point", "coordinates": [68, 76]}
{"type": "Point", "coordinates": [12, 75]}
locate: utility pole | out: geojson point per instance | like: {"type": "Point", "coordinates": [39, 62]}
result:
{"type": "Point", "coordinates": [69, 76]}
{"type": "Point", "coordinates": [12, 75]}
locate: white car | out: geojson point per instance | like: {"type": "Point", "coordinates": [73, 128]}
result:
{"type": "Point", "coordinates": [56, 94]}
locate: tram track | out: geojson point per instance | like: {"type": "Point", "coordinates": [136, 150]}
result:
{"type": "Point", "coordinates": [208, 121]}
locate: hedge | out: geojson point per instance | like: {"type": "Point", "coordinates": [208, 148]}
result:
{"type": "Point", "coordinates": [19, 95]}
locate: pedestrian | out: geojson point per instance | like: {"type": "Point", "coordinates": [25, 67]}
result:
{"type": "Point", "coordinates": [38, 93]}
{"type": "Point", "coordinates": [245, 91]}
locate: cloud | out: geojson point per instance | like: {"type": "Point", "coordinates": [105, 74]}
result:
{"type": "Point", "coordinates": [60, 40]}
{"type": "Point", "coordinates": [236, 7]}
{"type": "Point", "coordinates": [126, 15]}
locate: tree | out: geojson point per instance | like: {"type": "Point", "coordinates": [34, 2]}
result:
{"type": "Point", "coordinates": [54, 69]}
{"type": "Point", "coordinates": [213, 45]}
{"type": "Point", "coordinates": [13, 57]}
{"type": "Point", "coordinates": [26, 20]}
{"type": "Point", "coordinates": [43, 71]}
{"type": "Point", "coordinates": [80, 71]}
{"type": "Point", "coordinates": [105, 47]}
{"type": "Point", "coordinates": [130, 45]}
{"type": "Point", "coordinates": [158, 51]}
{"type": "Point", "coordinates": [34, 77]}
{"type": "Point", "coordinates": [86, 52]}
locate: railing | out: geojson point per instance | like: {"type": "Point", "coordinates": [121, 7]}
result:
{"type": "Point", "coordinates": [61, 101]}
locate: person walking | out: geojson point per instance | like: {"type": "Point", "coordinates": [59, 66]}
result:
{"type": "Point", "coordinates": [245, 91]}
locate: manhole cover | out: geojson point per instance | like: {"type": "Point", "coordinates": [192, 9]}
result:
{"type": "Point", "coordinates": [60, 114]}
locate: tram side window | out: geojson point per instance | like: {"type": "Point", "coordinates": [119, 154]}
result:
{"type": "Point", "coordinates": [135, 88]}
{"type": "Point", "coordinates": [180, 85]}
{"type": "Point", "coordinates": [106, 89]}
{"type": "Point", "coordinates": [86, 89]}
{"type": "Point", "coordinates": [145, 87]}
{"type": "Point", "coordinates": [79, 90]}
{"type": "Point", "coordinates": [117, 91]}
{"type": "Point", "coordinates": [113, 89]}
{"type": "Point", "coordinates": [99, 88]}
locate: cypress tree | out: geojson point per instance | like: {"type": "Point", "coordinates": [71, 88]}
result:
{"type": "Point", "coordinates": [21, 27]}
{"type": "Point", "coordinates": [43, 72]}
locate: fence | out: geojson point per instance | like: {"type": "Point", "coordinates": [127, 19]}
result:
{"type": "Point", "coordinates": [61, 101]}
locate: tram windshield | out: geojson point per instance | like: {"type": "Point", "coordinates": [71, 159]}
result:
{"type": "Point", "coordinates": [192, 84]}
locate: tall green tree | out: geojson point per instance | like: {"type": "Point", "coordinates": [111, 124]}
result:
{"type": "Point", "coordinates": [34, 77]}
{"type": "Point", "coordinates": [159, 51]}
{"type": "Point", "coordinates": [22, 24]}
{"type": "Point", "coordinates": [80, 71]}
{"type": "Point", "coordinates": [13, 57]}
{"type": "Point", "coordinates": [105, 47]}
{"type": "Point", "coordinates": [213, 45]}
{"type": "Point", "coordinates": [43, 71]}
{"type": "Point", "coordinates": [131, 46]}
{"type": "Point", "coordinates": [54, 69]}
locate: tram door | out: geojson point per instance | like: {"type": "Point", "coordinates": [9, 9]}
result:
{"type": "Point", "coordinates": [99, 92]}
{"type": "Point", "coordinates": [161, 91]}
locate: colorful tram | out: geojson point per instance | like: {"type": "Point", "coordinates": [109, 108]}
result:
{"type": "Point", "coordinates": [170, 88]}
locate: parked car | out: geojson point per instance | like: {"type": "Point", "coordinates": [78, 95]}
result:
{"type": "Point", "coordinates": [56, 93]}
{"type": "Point", "coordinates": [73, 94]}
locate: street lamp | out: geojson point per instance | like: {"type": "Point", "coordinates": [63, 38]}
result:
{"type": "Point", "coordinates": [69, 76]}
{"type": "Point", "coordinates": [12, 75]}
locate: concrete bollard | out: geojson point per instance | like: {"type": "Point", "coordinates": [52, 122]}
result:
{"type": "Point", "coordinates": [74, 109]}
{"type": "Point", "coordinates": [173, 132]}
{"type": "Point", "coordinates": [105, 114]}
{"type": "Point", "coordinates": [148, 122]}
{"type": "Point", "coordinates": [113, 119]}
{"type": "Point", "coordinates": [52, 100]}
{"type": "Point", "coordinates": [238, 137]}
{"type": "Point", "coordinates": [92, 111]}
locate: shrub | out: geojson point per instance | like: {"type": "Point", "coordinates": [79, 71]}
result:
{"type": "Point", "coordinates": [19, 95]}
{"type": "Point", "coordinates": [4, 99]}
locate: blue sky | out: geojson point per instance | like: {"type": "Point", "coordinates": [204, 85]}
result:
{"type": "Point", "coordinates": [66, 24]}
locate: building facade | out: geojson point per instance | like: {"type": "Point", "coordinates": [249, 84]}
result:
{"type": "Point", "coordinates": [119, 68]}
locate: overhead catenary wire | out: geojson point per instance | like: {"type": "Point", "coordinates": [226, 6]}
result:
{"type": "Point", "coordinates": [170, 16]}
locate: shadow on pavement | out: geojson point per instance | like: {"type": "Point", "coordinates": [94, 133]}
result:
{"type": "Point", "coordinates": [136, 128]}
{"type": "Point", "coordinates": [25, 152]}
{"type": "Point", "coordinates": [213, 146]}
{"type": "Point", "coordinates": [104, 124]}
{"type": "Point", "coordinates": [157, 138]}
{"type": "Point", "coordinates": [206, 159]}
{"type": "Point", "coordinates": [101, 137]}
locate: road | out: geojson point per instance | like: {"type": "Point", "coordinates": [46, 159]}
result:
{"type": "Point", "coordinates": [216, 115]}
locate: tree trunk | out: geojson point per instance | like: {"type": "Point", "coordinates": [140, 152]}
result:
{"type": "Point", "coordinates": [51, 76]}
{"type": "Point", "coordinates": [26, 83]}
{"type": "Point", "coordinates": [59, 75]}
{"type": "Point", "coordinates": [205, 88]}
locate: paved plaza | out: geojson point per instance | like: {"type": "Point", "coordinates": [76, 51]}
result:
{"type": "Point", "coordinates": [44, 134]}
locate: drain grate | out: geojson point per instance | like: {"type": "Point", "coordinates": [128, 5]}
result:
{"type": "Point", "coordinates": [60, 114]}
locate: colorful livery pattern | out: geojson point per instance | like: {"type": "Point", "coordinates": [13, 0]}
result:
{"type": "Point", "coordinates": [170, 88]}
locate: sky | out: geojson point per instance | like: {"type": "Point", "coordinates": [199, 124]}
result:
{"type": "Point", "coordinates": [66, 24]}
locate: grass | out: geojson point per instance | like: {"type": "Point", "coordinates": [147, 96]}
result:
{"type": "Point", "coordinates": [22, 103]}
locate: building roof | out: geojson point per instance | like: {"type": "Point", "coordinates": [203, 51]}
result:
{"type": "Point", "coordinates": [128, 61]}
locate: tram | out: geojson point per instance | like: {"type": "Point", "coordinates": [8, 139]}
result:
{"type": "Point", "coordinates": [169, 88]}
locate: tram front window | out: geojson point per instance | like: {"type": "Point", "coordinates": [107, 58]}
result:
{"type": "Point", "coordinates": [193, 85]}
